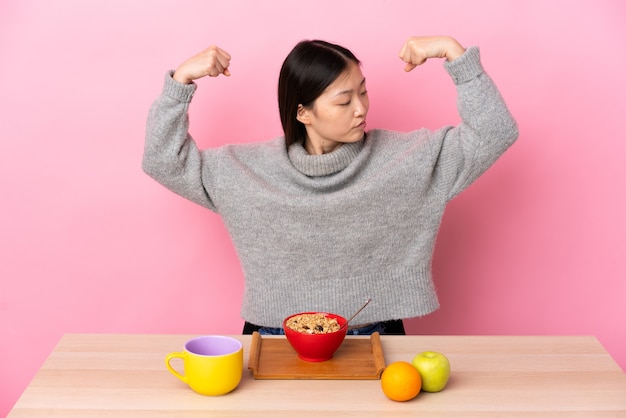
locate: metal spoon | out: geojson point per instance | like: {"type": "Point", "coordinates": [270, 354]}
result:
{"type": "Point", "coordinates": [355, 314]}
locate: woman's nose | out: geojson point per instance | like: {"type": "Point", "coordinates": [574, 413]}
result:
{"type": "Point", "coordinates": [360, 109]}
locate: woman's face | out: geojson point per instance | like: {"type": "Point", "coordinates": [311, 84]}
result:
{"type": "Point", "coordinates": [337, 116]}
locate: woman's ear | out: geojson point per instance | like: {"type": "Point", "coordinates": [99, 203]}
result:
{"type": "Point", "coordinates": [302, 114]}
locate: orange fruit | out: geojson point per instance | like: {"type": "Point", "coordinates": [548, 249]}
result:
{"type": "Point", "coordinates": [401, 381]}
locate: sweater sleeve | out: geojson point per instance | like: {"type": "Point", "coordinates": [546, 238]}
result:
{"type": "Point", "coordinates": [171, 156]}
{"type": "Point", "coordinates": [486, 131]}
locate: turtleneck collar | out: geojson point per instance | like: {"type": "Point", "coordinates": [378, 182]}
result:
{"type": "Point", "coordinates": [324, 164]}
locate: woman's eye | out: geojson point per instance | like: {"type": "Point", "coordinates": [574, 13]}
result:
{"type": "Point", "coordinates": [364, 93]}
{"type": "Point", "coordinates": [344, 104]}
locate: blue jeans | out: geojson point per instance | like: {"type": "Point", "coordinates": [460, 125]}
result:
{"type": "Point", "coordinates": [366, 330]}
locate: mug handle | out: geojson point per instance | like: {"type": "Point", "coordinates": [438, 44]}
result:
{"type": "Point", "coordinates": [171, 369]}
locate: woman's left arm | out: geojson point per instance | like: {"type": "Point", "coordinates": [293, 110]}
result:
{"type": "Point", "coordinates": [487, 128]}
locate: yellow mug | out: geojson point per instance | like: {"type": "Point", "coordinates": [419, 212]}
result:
{"type": "Point", "coordinates": [213, 364]}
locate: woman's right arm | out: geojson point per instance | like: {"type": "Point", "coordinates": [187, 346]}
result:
{"type": "Point", "coordinates": [171, 156]}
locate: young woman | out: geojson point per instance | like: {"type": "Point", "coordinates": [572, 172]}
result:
{"type": "Point", "coordinates": [330, 214]}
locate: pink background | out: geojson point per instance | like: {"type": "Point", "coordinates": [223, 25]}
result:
{"type": "Point", "coordinates": [89, 244]}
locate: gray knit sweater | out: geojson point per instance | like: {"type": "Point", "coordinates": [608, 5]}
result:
{"type": "Point", "coordinates": [326, 232]}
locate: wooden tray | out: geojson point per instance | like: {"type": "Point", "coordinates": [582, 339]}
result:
{"type": "Point", "coordinates": [357, 358]}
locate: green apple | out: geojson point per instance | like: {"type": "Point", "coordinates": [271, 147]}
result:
{"type": "Point", "coordinates": [434, 368]}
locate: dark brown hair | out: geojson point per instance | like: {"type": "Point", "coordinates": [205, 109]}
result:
{"type": "Point", "coordinates": [310, 67]}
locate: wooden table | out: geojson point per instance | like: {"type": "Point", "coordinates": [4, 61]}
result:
{"type": "Point", "coordinates": [492, 376]}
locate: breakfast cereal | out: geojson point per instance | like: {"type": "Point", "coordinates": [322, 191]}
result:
{"type": "Point", "coordinates": [316, 323]}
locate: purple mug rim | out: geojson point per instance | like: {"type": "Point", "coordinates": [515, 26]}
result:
{"type": "Point", "coordinates": [235, 345]}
